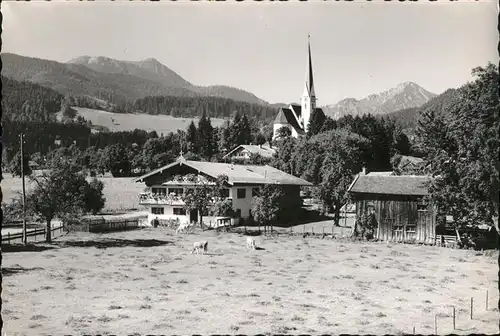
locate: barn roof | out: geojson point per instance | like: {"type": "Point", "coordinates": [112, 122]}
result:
{"type": "Point", "coordinates": [264, 151]}
{"type": "Point", "coordinates": [237, 174]}
{"type": "Point", "coordinates": [390, 185]}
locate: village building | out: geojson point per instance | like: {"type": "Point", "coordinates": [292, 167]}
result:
{"type": "Point", "coordinates": [397, 204]}
{"type": "Point", "coordinates": [166, 186]}
{"type": "Point", "coordinates": [296, 117]}
{"type": "Point", "coordinates": [244, 152]}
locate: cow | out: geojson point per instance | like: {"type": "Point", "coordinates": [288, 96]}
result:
{"type": "Point", "coordinates": [251, 243]}
{"type": "Point", "coordinates": [200, 246]}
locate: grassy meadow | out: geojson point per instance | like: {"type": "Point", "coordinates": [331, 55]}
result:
{"type": "Point", "coordinates": [146, 281]}
{"type": "Point", "coordinates": [128, 122]}
{"type": "Point", "coordinates": [121, 193]}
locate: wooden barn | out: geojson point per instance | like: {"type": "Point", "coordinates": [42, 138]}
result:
{"type": "Point", "coordinates": [398, 205]}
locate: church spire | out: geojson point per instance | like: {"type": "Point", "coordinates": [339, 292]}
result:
{"type": "Point", "coordinates": [309, 76]}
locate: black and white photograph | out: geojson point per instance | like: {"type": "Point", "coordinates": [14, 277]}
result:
{"type": "Point", "coordinates": [184, 168]}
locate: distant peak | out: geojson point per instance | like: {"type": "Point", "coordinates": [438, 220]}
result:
{"type": "Point", "coordinates": [151, 60]}
{"type": "Point", "coordinates": [406, 84]}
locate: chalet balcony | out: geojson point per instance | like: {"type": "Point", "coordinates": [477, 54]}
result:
{"type": "Point", "coordinates": [160, 199]}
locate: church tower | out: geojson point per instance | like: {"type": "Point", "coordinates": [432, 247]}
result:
{"type": "Point", "coordinates": [308, 100]}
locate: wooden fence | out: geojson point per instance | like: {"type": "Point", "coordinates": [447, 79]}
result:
{"type": "Point", "coordinates": [102, 225]}
{"type": "Point", "coordinates": [31, 235]}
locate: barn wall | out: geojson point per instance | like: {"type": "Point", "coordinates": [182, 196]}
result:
{"type": "Point", "coordinates": [398, 217]}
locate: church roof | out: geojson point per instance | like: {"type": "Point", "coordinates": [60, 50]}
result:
{"type": "Point", "coordinates": [297, 109]}
{"type": "Point", "coordinates": [289, 117]}
{"type": "Point", "coordinates": [280, 117]}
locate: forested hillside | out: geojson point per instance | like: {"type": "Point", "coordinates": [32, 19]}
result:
{"type": "Point", "coordinates": [408, 118]}
{"type": "Point", "coordinates": [25, 101]}
{"type": "Point", "coordinates": [214, 107]}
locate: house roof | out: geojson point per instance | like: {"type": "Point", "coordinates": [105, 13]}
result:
{"type": "Point", "coordinates": [264, 151]}
{"type": "Point", "coordinates": [237, 174]}
{"type": "Point", "coordinates": [390, 185]}
{"type": "Point", "coordinates": [382, 173]}
{"type": "Point", "coordinates": [412, 159]}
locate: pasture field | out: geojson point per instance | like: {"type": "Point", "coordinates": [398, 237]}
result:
{"type": "Point", "coordinates": [146, 281]}
{"type": "Point", "coordinates": [128, 122]}
{"type": "Point", "coordinates": [121, 193]}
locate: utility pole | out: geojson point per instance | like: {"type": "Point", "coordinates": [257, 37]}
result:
{"type": "Point", "coordinates": [25, 240]}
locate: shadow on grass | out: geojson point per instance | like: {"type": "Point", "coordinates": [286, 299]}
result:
{"type": "Point", "coordinates": [11, 248]}
{"type": "Point", "coordinates": [108, 243]}
{"type": "Point", "coordinates": [259, 248]}
{"type": "Point", "coordinates": [6, 271]}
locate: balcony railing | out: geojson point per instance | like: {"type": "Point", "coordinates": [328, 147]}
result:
{"type": "Point", "coordinates": [150, 198]}
{"type": "Point", "coordinates": [146, 198]}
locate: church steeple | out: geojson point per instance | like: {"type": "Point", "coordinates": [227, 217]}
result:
{"type": "Point", "coordinates": [308, 101]}
{"type": "Point", "coordinates": [309, 74]}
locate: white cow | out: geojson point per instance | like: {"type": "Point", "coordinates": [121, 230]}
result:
{"type": "Point", "coordinates": [200, 246]}
{"type": "Point", "coordinates": [183, 227]}
{"type": "Point", "coordinates": [251, 243]}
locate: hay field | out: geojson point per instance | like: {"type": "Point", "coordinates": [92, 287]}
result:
{"type": "Point", "coordinates": [145, 281]}
{"type": "Point", "coordinates": [128, 122]}
{"type": "Point", "coordinates": [121, 193]}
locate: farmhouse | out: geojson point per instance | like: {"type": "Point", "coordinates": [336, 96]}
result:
{"type": "Point", "coordinates": [166, 186]}
{"type": "Point", "coordinates": [398, 206]}
{"type": "Point", "coordinates": [243, 152]}
{"type": "Point", "coordinates": [296, 117]}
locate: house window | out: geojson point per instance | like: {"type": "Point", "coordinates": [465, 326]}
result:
{"type": "Point", "coordinates": [241, 193]}
{"type": "Point", "coordinates": [224, 193]}
{"type": "Point", "coordinates": [176, 191]}
{"type": "Point", "coordinates": [179, 211]}
{"type": "Point", "coordinates": [255, 192]}
{"type": "Point", "coordinates": [157, 211]}
{"type": "Point", "coordinates": [159, 191]}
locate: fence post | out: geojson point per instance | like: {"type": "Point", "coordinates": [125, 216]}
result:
{"type": "Point", "coordinates": [8, 237]}
{"type": "Point", "coordinates": [435, 325]}
{"type": "Point", "coordinates": [486, 299]}
{"type": "Point", "coordinates": [471, 306]}
{"type": "Point", "coordinates": [454, 317]}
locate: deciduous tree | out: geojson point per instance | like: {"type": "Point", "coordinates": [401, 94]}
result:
{"type": "Point", "coordinates": [266, 206]}
{"type": "Point", "coordinates": [62, 192]}
{"type": "Point", "coordinates": [461, 146]}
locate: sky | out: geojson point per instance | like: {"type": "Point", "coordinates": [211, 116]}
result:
{"type": "Point", "coordinates": [358, 48]}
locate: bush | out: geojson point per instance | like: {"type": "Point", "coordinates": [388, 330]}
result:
{"type": "Point", "coordinates": [365, 226]}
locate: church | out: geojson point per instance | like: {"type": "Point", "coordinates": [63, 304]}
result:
{"type": "Point", "coordinates": [296, 117]}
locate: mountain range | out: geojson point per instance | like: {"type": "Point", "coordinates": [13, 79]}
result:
{"type": "Point", "coordinates": [117, 82]}
{"type": "Point", "coordinates": [111, 79]}
{"type": "Point", "coordinates": [404, 96]}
